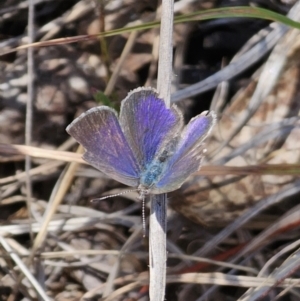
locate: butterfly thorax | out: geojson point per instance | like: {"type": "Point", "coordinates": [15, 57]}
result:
{"type": "Point", "coordinates": [152, 174]}
{"type": "Point", "coordinates": [155, 170]}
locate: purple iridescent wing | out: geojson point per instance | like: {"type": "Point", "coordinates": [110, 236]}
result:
{"type": "Point", "coordinates": [148, 124]}
{"type": "Point", "coordinates": [99, 132]}
{"type": "Point", "coordinates": [188, 154]}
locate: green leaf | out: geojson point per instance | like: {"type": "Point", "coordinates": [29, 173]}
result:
{"type": "Point", "coordinates": [102, 99]}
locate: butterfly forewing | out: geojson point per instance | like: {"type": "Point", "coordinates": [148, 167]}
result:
{"type": "Point", "coordinates": [99, 132]}
{"type": "Point", "coordinates": [188, 154]}
{"type": "Point", "coordinates": [148, 124]}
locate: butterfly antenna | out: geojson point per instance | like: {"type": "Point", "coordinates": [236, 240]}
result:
{"type": "Point", "coordinates": [113, 195]}
{"type": "Point", "coordinates": [143, 216]}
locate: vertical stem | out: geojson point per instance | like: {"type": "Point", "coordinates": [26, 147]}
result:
{"type": "Point", "coordinates": [165, 59]}
{"type": "Point", "coordinates": [30, 95]}
{"type": "Point", "coordinates": [158, 225]}
{"type": "Point", "coordinates": [157, 247]}
{"type": "Point", "coordinates": [103, 44]}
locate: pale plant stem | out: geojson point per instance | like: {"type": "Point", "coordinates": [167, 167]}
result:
{"type": "Point", "coordinates": [158, 225]}
{"type": "Point", "coordinates": [30, 95]}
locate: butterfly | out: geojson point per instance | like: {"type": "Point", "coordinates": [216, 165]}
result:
{"type": "Point", "coordinates": [147, 146]}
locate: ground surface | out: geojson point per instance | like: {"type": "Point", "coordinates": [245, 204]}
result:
{"type": "Point", "coordinates": [248, 182]}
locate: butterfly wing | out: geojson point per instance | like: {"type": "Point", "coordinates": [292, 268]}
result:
{"type": "Point", "coordinates": [99, 132]}
{"type": "Point", "coordinates": [188, 154]}
{"type": "Point", "coordinates": [148, 124]}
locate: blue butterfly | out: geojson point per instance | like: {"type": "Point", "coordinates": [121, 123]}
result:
{"type": "Point", "coordinates": [147, 147]}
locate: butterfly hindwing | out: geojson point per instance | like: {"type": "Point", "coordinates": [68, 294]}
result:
{"type": "Point", "coordinates": [188, 155]}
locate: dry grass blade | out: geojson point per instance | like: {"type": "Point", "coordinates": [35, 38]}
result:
{"type": "Point", "coordinates": [238, 65]}
{"type": "Point", "coordinates": [268, 78]}
{"type": "Point", "coordinates": [230, 280]}
{"type": "Point", "coordinates": [289, 267]}
{"type": "Point", "coordinates": [57, 198]}
{"type": "Point", "coordinates": [289, 221]}
{"type": "Point", "coordinates": [12, 150]}
{"type": "Point", "coordinates": [270, 201]}
{"type": "Point", "coordinates": [20, 264]}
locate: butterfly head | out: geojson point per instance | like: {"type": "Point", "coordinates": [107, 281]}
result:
{"type": "Point", "coordinates": [143, 191]}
